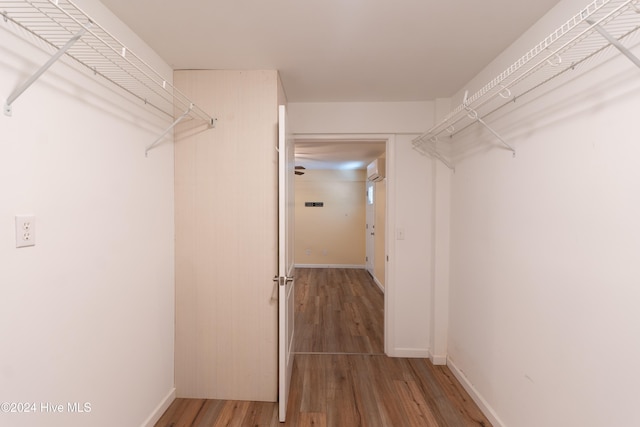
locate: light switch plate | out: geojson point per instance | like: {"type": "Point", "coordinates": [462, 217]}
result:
{"type": "Point", "coordinates": [25, 231]}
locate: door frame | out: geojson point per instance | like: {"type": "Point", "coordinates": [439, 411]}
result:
{"type": "Point", "coordinates": [390, 221]}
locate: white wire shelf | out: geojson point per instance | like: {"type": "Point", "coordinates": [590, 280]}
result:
{"type": "Point", "coordinates": [600, 25]}
{"type": "Point", "coordinates": [67, 30]}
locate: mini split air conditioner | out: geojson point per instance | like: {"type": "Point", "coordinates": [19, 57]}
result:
{"type": "Point", "coordinates": [375, 170]}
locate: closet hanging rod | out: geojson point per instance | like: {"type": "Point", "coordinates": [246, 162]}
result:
{"type": "Point", "coordinates": [55, 21]}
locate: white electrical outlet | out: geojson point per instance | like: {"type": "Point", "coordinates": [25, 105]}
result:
{"type": "Point", "coordinates": [25, 231]}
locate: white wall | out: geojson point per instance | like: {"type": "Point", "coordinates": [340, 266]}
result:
{"type": "Point", "coordinates": [87, 314]}
{"type": "Point", "coordinates": [361, 117]}
{"type": "Point", "coordinates": [334, 234]}
{"type": "Point", "coordinates": [408, 293]}
{"type": "Point", "coordinates": [441, 202]}
{"type": "Point", "coordinates": [409, 290]}
{"type": "Point", "coordinates": [544, 251]}
{"type": "Point", "coordinates": [380, 249]}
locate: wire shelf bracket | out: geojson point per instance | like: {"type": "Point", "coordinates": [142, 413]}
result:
{"type": "Point", "coordinates": [67, 30]}
{"type": "Point", "coordinates": [473, 115]}
{"type": "Point", "coordinates": [598, 26]}
{"type": "Point", "coordinates": [169, 129]}
{"type": "Point", "coordinates": [615, 43]}
{"type": "Point", "coordinates": [31, 80]}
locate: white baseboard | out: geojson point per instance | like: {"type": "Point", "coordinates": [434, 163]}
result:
{"type": "Point", "coordinates": [411, 353]}
{"type": "Point", "coordinates": [160, 409]}
{"type": "Point", "coordinates": [377, 282]}
{"type": "Point", "coordinates": [352, 266]}
{"type": "Point", "coordinates": [438, 359]}
{"type": "Point", "coordinates": [486, 409]}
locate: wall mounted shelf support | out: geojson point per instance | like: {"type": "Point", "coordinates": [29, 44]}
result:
{"type": "Point", "coordinates": [66, 30]}
{"type": "Point", "coordinates": [507, 145]}
{"type": "Point", "coordinates": [591, 32]}
{"type": "Point", "coordinates": [473, 115]}
{"type": "Point", "coordinates": [174, 124]}
{"type": "Point", "coordinates": [31, 80]}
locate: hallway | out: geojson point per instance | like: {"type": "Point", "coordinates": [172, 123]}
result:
{"type": "Point", "coordinates": [338, 311]}
{"type": "Point", "coordinates": [341, 377]}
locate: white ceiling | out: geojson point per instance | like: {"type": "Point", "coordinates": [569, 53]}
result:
{"type": "Point", "coordinates": [337, 50]}
{"type": "Point", "coordinates": [336, 154]}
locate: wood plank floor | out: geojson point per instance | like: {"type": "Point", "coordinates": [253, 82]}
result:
{"type": "Point", "coordinates": [340, 378]}
{"type": "Point", "coordinates": [338, 311]}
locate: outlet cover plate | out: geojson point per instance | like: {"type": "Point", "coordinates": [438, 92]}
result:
{"type": "Point", "coordinates": [25, 231]}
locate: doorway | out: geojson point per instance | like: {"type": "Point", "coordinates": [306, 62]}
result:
{"type": "Point", "coordinates": [339, 222]}
{"type": "Point", "coordinates": [311, 151]}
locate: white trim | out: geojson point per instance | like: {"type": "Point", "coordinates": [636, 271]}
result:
{"type": "Point", "coordinates": [438, 359]}
{"type": "Point", "coordinates": [352, 266]}
{"type": "Point", "coordinates": [390, 249]}
{"type": "Point", "coordinates": [410, 353]}
{"type": "Point", "coordinates": [355, 136]}
{"type": "Point", "coordinates": [377, 282]}
{"type": "Point", "coordinates": [486, 409]}
{"type": "Point", "coordinates": [160, 409]}
{"type": "Point", "coordinates": [390, 225]}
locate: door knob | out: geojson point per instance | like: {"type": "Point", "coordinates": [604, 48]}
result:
{"type": "Point", "coordinates": [287, 279]}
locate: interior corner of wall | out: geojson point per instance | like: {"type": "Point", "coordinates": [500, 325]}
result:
{"type": "Point", "coordinates": [440, 360]}
{"type": "Point", "coordinates": [160, 409]}
{"type": "Point", "coordinates": [484, 406]}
